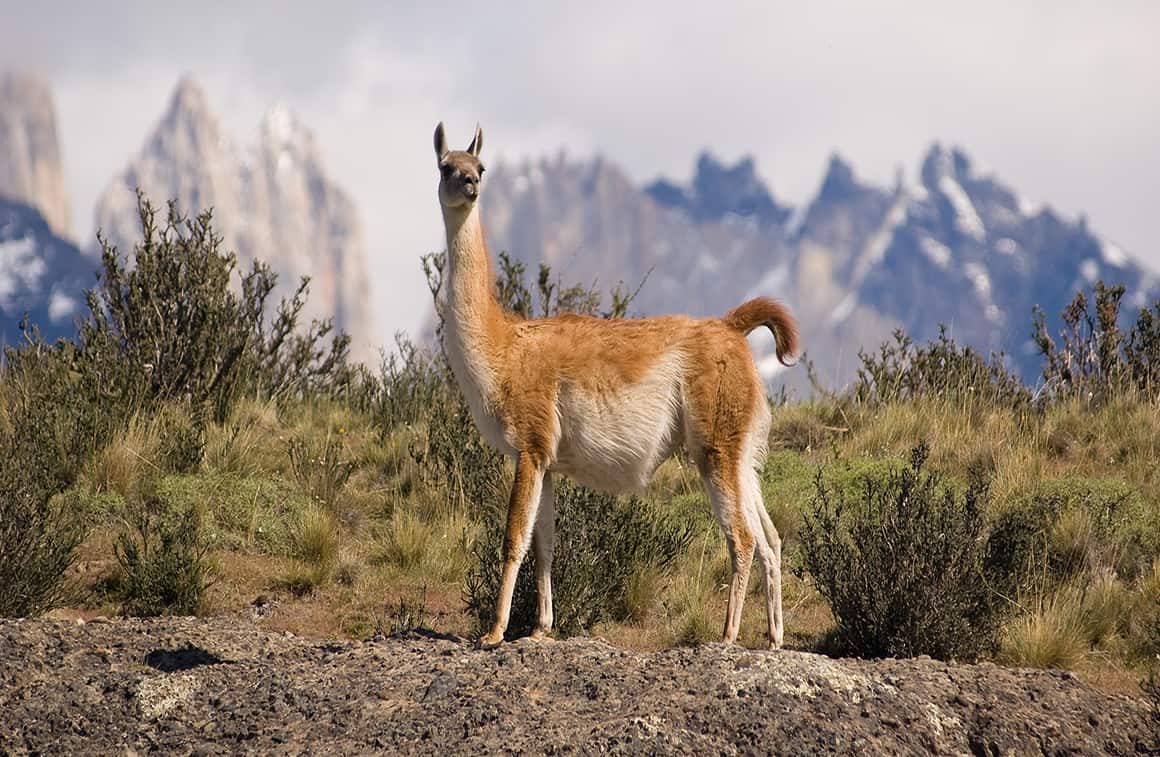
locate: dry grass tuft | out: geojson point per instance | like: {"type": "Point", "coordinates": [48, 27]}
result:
{"type": "Point", "coordinates": [1052, 635]}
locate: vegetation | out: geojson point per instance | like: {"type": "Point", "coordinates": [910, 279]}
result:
{"type": "Point", "coordinates": [900, 564]}
{"type": "Point", "coordinates": [197, 446]}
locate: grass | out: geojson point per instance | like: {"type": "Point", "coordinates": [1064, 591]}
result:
{"type": "Point", "coordinates": [351, 527]}
{"type": "Point", "coordinates": [1051, 635]}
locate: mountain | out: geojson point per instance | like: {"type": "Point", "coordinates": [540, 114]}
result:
{"type": "Point", "coordinates": [41, 275]}
{"type": "Point", "coordinates": [272, 202]}
{"type": "Point", "coordinates": [953, 247]}
{"type": "Point", "coordinates": [30, 164]}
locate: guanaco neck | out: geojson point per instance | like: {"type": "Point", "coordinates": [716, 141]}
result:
{"type": "Point", "coordinates": [474, 319]}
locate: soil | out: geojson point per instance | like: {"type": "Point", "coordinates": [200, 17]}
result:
{"type": "Point", "coordinates": [224, 685]}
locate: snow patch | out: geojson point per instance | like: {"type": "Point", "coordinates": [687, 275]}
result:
{"type": "Point", "coordinates": [1090, 270]}
{"type": "Point", "coordinates": [1112, 253]}
{"type": "Point", "coordinates": [936, 251]}
{"type": "Point", "coordinates": [844, 309]}
{"type": "Point", "coordinates": [1027, 207]}
{"type": "Point", "coordinates": [796, 220]}
{"type": "Point", "coordinates": [20, 268]}
{"type": "Point", "coordinates": [60, 306]}
{"type": "Point", "coordinates": [967, 219]}
{"type": "Point", "coordinates": [771, 283]}
{"type": "Point", "coordinates": [708, 263]}
{"type": "Point", "coordinates": [1007, 246]}
{"type": "Point", "coordinates": [979, 279]}
{"type": "Point", "coordinates": [876, 246]}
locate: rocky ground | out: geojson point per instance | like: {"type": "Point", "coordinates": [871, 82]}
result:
{"type": "Point", "coordinates": [211, 686]}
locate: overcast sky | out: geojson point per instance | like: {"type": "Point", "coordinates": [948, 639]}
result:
{"type": "Point", "coordinates": [1061, 99]}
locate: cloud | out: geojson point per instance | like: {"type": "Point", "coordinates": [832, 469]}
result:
{"type": "Point", "coordinates": [1057, 97]}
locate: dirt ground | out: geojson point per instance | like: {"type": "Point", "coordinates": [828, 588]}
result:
{"type": "Point", "coordinates": [224, 685]}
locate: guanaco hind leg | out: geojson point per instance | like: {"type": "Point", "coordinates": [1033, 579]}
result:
{"type": "Point", "coordinates": [543, 545]}
{"type": "Point", "coordinates": [729, 507]}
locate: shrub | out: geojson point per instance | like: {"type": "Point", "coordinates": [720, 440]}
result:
{"type": "Point", "coordinates": [1144, 623]}
{"type": "Point", "coordinates": [940, 369]}
{"type": "Point", "coordinates": [171, 441]}
{"type": "Point", "coordinates": [38, 536]}
{"type": "Point", "coordinates": [1095, 360]}
{"type": "Point", "coordinates": [409, 615]}
{"type": "Point", "coordinates": [901, 565]}
{"type": "Point", "coordinates": [170, 323]}
{"type": "Point", "coordinates": [411, 381]}
{"type": "Point", "coordinates": [239, 512]}
{"type": "Point", "coordinates": [601, 544]}
{"type": "Point", "coordinates": [44, 434]}
{"type": "Point", "coordinates": [1107, 607]}
{"type": "Point", "coordinates": [163, 556]}
{"type": "Point", "coordinates": [1066, 526]}
{"type": "Point", "coordinates": [246, 442]}
{"type": "Point", "coordinates": [457, 460]}
{"type": "Point", "coordinates": [408, 541]}
{"type": "Point", "coordinates": [316, 539]}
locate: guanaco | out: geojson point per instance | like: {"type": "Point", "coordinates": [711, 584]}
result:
{"type": "Point", "coordinates": [606, 402]}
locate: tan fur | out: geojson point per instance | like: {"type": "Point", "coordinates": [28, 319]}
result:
{"type": "Point", "coordinates": [606, 402]}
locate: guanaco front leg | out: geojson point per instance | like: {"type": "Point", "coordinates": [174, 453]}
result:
{"type": "Point", "coordinates": [521, 518]}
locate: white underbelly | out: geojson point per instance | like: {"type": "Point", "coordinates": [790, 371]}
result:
{"type": "Point", "coordinates": [616, 442]}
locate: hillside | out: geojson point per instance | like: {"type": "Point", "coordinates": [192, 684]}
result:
{"type": "Point", "coordinates": [224, 685]}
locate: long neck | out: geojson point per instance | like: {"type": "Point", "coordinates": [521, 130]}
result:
{"type": "Point", "coordinates": [472, 309]}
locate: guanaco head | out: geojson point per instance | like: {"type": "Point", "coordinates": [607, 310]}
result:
{"type": "Point", "coordinates": [460, 172]}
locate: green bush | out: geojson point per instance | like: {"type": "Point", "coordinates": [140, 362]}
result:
{"type": "Point", "coordinates": [163, 555]}
{"type": "Point", "coordinates": [939, 369]}
{"type": "Point", "coordinates": [1067, 526]}
{"type": "Point", "coordinates": [601, 544]}
{"type": "Point", "coordinates": [177, 321]}
{"type": "Point", "coordinates": [1094, 359]}
{"type": "Point", "coordinates": [181, 437]}
{"type": "Point", "coordinates": [411, 382]}
{"type": "Point", "coordinates": [39, 533]}
{"type": "Point", "coordinates": [900, 565]}
{"type": "Point", "coordinates": [45, 435]}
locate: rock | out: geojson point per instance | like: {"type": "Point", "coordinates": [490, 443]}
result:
{"type": "Point", "coordinates": [273, 202]}
{"type": "Point", "coordinates": [403, 695]}
{"type": "Point", "coordinates": [30, 165]}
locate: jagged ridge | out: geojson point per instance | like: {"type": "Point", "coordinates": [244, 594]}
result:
{"type": "Point", "coordinates": [955, 248]}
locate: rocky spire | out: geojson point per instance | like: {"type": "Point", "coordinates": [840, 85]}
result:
{"type": "Point", "coordinates": [273, 202]}
{"type": "Point", "coordinates": [30, 162]}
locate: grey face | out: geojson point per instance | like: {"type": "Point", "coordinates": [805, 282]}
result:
{"type": "Point", "coordinates": [459, 177]}
{"type": "Point", "coordinates": [460, 172]}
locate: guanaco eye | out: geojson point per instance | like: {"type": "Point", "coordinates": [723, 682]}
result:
{"type": "Point", "coordinates": [446, 171]}
{"type": "Point", "coordinates": [481, 170]}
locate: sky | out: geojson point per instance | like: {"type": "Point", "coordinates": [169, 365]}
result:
{"type": "Point", "coordinates": [1060, 99]}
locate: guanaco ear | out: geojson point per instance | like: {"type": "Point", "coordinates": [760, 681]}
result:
{"type": "Point", "coordinates": [476, 145]}
{"type": "Point", "coordinates": [440, 142]}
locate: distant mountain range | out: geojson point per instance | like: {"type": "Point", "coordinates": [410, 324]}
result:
{"type": "Point", "coordinates": [272, 202]}
{"type": "Point", "coordinates": [857, 261]}
{"type": "Point", "coordinates": [949, 246]}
